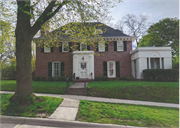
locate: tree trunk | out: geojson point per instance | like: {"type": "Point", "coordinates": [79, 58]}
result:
{"type": "Point", "coordinates": [23, 54]}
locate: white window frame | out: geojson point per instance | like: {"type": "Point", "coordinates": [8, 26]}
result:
{"type": "Point", "coordinates": [103, 49]}
{"type": "Point", "coordinates": [81, 46]}
{"type": "Point", "coordinates": [53, 70]}
{"type": "Point", "coordinates": [65, 43]}
{"type": "Point", "coordinates": [113, 68]}
{"type": "Point", "coordinates": [120, 43]}
{"type": "Point", "coordinates": [47, 49]}
{"type": "Point", "coordinates": [98, 30]}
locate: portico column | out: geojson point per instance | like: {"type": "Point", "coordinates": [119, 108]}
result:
{"type": "Point", "coordinates": [149, 63]}
{"type": "Point", "coordinates": [160, 63]}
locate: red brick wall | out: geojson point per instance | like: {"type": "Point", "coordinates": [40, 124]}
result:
{"type": "Point", "coordinates": [123, 57]}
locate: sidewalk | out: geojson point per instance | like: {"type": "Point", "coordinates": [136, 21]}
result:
{"type": "Point", "coordinates": [111, 100]}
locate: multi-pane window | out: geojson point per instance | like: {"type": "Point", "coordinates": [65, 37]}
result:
{"type": "Point", "coordinates": [83, 46]}
{"type": "Point", "coordinates": [120, 46]}
{"type": "Point", "coordinates": [65, 47]}
{"type": "Point", "coordinates": [111, 69]}
{"type": "Point", "coordinates": [47, 49]}
{"type": "Point", "coordinates": [56, 70]}
{"type": "Point", "coordinates": [155, 63]}
{"type": "Point", "coordinates": [101, 47]}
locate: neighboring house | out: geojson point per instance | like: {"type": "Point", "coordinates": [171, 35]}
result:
{"type": "Point", "coordinates": [112, 59]}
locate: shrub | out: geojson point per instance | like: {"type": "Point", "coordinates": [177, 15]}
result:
{"type": "Point", "coordinates": [70, 78]}
{"type": "Point", "coordinates": [61, 78]}
{"type": "Point", "coordinates": [101, 78]}
{"type": "Point", "coordinates": [43, 78]}
{"type": "Point", "coordinates": [50, 78]}
{"type": "Point", "coordinates": [127, 78]}
{"type": "Point", "coordinates": [37, 78]}
{"type": "Point", "coordinates": [161, 75]}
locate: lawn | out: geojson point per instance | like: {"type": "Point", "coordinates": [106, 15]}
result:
{"type": "Point", "coordinates": [167, 92]}
{"type": "Point", "coordinates": [42, 107]}
{"type": "Point", "coordinates": [38, 86]}
{"type": "Point", "coordinates": [125, 114]}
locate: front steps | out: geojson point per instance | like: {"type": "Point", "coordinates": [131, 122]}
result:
{"type": "Point", "coordinates": [76, 91]}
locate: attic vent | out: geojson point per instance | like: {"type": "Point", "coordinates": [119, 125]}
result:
{"type": "Point", "coordinates": [98, 31]}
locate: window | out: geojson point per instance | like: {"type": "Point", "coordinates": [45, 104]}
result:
{"type": "Point", "coordinates": [83, 46]}
{"type": "Point", "coordinates": [47, 49]}
{"type": "Point", "coordinates": [83, 66]}
{"type": "Point", "coordinates": [56, 70]}
{"type": "Point", "coordinates": [98, 31]}
{"type": "Point", "coordinates": [120, 46]}
{"type": "Point", "coordinates": [65, 47]}
{"type": "Point", "coordinates": [155, 64]}
{"type": "Point", "coordinates": [101, 47]}
{"type": "Point", "coordinates": [68, 32]}
{"type": "Point", "coordinates": [162, 61]}
{"type": "Point", "coordinates": [111, 69]}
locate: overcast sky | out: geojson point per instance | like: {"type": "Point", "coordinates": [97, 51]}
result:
{"type": "Point", "coordinates": [155, 9]}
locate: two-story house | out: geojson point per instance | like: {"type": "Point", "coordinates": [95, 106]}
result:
{"type": "Point", "coordinates": [88, 60]}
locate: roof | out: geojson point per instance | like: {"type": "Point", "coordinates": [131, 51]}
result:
{"type": "Point", "coordinates": [108, 31]}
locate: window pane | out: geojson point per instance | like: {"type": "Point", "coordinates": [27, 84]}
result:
{"type": "Point", "coordinates": [101, 47]}
{"type": "Point", "coordinates": [47, 49]}
{"type": "Point", "coordinates": [119, 46]}
{"type": "Point", "coordinates": [155, 63]}
{"type": "Point", "coordinates": [65, 47]}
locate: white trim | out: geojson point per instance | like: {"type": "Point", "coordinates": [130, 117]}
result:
{"type": "Point", "coordinates": [95, 32]}
{"type": "Point", "coordinates": [54, 69]}
{"type": "Point", "coordinates": [47, 49]}
{"type": "Point", "coordinates": [65, 43]}
{"type": "Point", "coordinates": [114, 67]}
{"type": "Point", "coordinates": [81, 46]}
{"type": "Point", "coordinates": [118, 44]}
{"type": "Point", "coordinates": [100, 46]}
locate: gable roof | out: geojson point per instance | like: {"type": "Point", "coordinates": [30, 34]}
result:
{"type": "Point", "coordinates": [109, 32]}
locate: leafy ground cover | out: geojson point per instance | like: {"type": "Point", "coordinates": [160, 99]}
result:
{"type": "Point", "coordinates": [38, 86]}
{"type": "Point", "coordinates": [125, 114]}
{"type": "Point", "coordinates": [42, 106]}
{"type": "Point", "coordinates": [167, 92]}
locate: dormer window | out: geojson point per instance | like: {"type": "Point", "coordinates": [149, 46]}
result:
{"type": "Point", "coordinates": [68, 32]}
{"type": "Point", "coordinates": [98, 31]}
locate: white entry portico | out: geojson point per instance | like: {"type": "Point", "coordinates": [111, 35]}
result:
{"type": "Point", "coordinates": [83, 64]}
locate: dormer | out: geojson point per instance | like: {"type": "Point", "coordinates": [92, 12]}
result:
{"type": "Point", "coordinates": [98, 31]}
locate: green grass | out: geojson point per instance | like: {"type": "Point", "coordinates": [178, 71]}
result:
{"type": "Point", "coordinates": [43, 107]}
{"type": "Point", "coordinates": [167, 92]}
{"type": "Point", "coordinates": [38, 86]}
{"type": "Point", "coordinates": [125, 114]}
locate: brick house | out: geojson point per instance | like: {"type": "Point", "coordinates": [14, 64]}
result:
{"type": "Point", "coordinates": [112, 59]}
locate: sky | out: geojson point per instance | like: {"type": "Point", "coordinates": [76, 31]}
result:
{"type": "Point", "coordinates": [155, 9]}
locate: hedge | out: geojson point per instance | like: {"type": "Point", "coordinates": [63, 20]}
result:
{"type": "Point", "coordinates": [127, 78]}
{"type": "Point", "coordinates": [161, 75]}
{"type": "Point", "coordinates": [101, 78]}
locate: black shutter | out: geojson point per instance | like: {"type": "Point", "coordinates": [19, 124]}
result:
{"type": "Point", "coordinates": [62, 68]}
{"type": "Point", "coordinates": [115, 45]}
{"type": "Point", "coordinates": [97, 46]}
{"type": "Point", "coordinates": [125, 46]}
{"type": "Point", "coordinates": [106, 47]}
{"type": "Point", "coordinates": [60, 47]}
{"type": "Point", "coordinates": [50, 69]}
{"type": "Point", "coordinates": [78, 46]}
{"type": "Point", "coordinates": [88, 47]}
{"type": "Point", "coordinates": [104, 68]}
{"type": "Point", "coordinates": [42, 48]}
{"type": "Point", "coordinates": [70, 45]}
{"type": "Point", "coordinates": [117, 69]}
{"type": "Point", "coordinates": [52, 49]}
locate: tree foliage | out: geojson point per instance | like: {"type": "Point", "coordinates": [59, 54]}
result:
{"type": "Point", "coordinates": [163, 33]}
{"type": "Point", "coordinates": [133, 25]}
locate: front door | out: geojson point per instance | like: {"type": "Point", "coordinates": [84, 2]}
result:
{"type": "Point", "coordinates": [83, 70]}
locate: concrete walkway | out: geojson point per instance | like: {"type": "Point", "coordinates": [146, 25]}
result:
{"type": "Point", "coordinates": [111, 100]}
{"type": "Point", "coordinates": [67, 110]}
{"type": "Point", "coordinates": [78, 85]}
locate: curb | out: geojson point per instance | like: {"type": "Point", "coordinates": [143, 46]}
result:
{"type": "Point", "coordinates": [56, 123]}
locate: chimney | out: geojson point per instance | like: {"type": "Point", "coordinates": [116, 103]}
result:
{"type": "Point", "coordinates": [44, 29]}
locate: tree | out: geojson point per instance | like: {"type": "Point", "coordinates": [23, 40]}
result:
{"type": "Point", "coordinates": [163, 33]}
{"type": "Point", "coordinates": [31, 16]}
{"type": "Point", "coordinates": [133, 25]}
